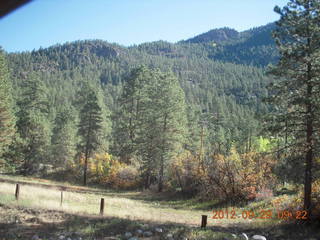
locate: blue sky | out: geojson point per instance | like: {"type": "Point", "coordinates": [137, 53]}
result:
{"type": "Point", "coordinates": [43, 23]}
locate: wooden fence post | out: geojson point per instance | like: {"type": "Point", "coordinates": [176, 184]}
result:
{"type": "Point", "coordinates": [102, 206]}
{"type": "Point", "coordinates": [17, 191]}
{"type": "Point", "coordinates": [61, 199]}
{"type": "Point", "coordinates": [204, 221]}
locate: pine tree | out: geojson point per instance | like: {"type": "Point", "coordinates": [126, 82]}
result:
{"type": "Point", "coordinates": [171, 114]}
{"type": "Point", "coordinates": [162, 125]}
{"type": "Point", "coordinates": [296, 94]}
{"type": "Point", "coordinates": [63, 139]}
{"type": "Point", "coordinates": [90, 125]}
{"type": "Point", "coordinates": [33, 125]}
{"type": "Point", "coordinates": [129, 113]}
{"type": "Point", "coordinates": [7, 119]}
{"type": "Point", "coordinates": [151, 121]}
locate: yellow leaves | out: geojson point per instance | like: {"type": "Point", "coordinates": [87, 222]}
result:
{"type": "Point", "coordinates": [234, 156]}
{"type": "Point", "coordinates": [185, 171]}
{"type": "Point", "coordinates": [316, 187]}
{"type": "Point", "coordinates": [242, 174]}
{"type": "Point", "coordinates": [105, 169]}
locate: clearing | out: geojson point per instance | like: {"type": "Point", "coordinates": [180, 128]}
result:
{"type": "Point", "coordinates": [39, 214]}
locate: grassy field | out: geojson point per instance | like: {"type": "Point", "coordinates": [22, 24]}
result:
{"type": "Point", "coordinates": [127, 210]}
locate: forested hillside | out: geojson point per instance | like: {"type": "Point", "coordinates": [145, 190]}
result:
{"type": "Point", "coordinates": [186, 117]}
{"type": "Point", "coordinates": [71, 102]}
{"type": "Point", "coordinates": [226, 122]}
{"type": "Point", "coordinates": [252, 47]}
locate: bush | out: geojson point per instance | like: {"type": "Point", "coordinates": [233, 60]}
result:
{"type": "Point", "coordinates": [240, 176]}
{"type": "Point", "coordinates": [107, 170]}
{"type": "Point", "coordinates": [184, 174]}
{"type": "Point", "coordinates": [264, 193]}
{"type": "Point", "coordinates": [127, 177]}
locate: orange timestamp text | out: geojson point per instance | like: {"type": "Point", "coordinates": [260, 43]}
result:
{"type": "Point", "coordinates": [261, 214]}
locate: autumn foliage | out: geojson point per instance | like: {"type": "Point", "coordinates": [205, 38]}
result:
{"type": "Point", "coordinates": [107, 170]}
{"type": "Point", "coordinates": [233, 177]}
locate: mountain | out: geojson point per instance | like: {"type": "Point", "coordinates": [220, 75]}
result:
{"type": "Point", "coordinates": [252, 47]}
{"type": "Point", "coordinates": [216, 35]}
{"type": "Point", "coordinates": [220, 73]}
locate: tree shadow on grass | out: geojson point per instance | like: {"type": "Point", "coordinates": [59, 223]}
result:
{"type": "Point", "coordinates": [91, 227]}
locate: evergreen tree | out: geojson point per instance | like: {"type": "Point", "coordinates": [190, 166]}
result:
{"type": "Point", "coordinates": [296, 94]}
{"type": "Point", "coordinates": [171, 111]}
{"type": "Point", "coordinates": [63, 139]}
{"type": "Point", "coordinates": [129, 113]}
{"type": "Point", "coordinates": [90, 125]}
{"type": "Point", "coordinates": [162, 125]}
{"type": "Point", "coordinates": [33, 125]}
{"type": "Point", "coordinates": [7, 119]}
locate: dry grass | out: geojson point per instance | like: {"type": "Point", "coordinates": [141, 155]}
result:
{"type": "Point", "coordinates": [116, 205]}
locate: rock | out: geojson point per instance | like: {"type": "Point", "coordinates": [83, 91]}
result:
{"type": "Point", "coordinates": [169, 236]}
{"type": "Point", "coordinates": [69, 238]}
{"type": "Point", "coordinates": [151, 238]}
{"type": "Point", "coordinates": [133, 238]}
{"type": "Point", "coordinates": [234, 236]}
{"type": "Point", "coordinates": [144, 226]}
{"type": "Point", "coordinates": [245, 236]}
{"type": "Point", "coordinates": [158, 230]}
{"type": "Point", "coordinates": [258, 237]}
{"type": "Point", "coordinates": [62, 237]}
{"type": "Point", "coordinates": [139, 232]}
{"type": "Point", "coordinates": [111, 238]}
{"type": "Point", "coordinates": [128, 235]}
{"type": "Point", "coordinates": [147, 234]}
{"type": "Point", "coordinates": [35, 237]}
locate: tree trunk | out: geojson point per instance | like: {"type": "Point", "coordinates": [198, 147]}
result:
{"type": "Point", "coordinates": [179, 180]}
{"type": "Point", "coordinates": [87, 152]}
{"type": "Point", "coordinates": [147, 181]}
{"type": "Point", "coordinates": [161, 172]}
{"type": "Point", "coordinates": [160, 185]}
{"type": "Point", "coordinates": [309, 153]}
{"type": "Point", "coordinates": [85, 168]}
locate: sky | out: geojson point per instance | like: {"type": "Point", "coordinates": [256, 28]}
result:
{"type": "Point", "coordinates": [43, 23]}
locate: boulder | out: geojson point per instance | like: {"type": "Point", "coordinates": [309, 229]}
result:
{"type": "Point", "coordinates": [128, 235]}
{"type": "Point", "coordinates": [244, 236]}
{"type": "Point", "coordinates": [133, 238]}
{"type": "Point", "coordinates": [147, 234]}
{"type": "Point", "coordinates": [158, 230]}
{"type": "Point", "coordinates": [259, 237]}
{"type": "Point", "coordinates": [35, 237]}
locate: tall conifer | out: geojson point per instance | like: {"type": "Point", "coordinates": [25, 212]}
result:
{"type": "Point", "coordinates": [7, 119]}
{"type": "Point", "coordinates": [296, 94]}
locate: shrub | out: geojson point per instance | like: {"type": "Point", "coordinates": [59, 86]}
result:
{"type": "Point", "coordinates": [264, 193]}
{"type": "Point", "coordinates": [240, 176]}
{"type": "Point", "coordinates": [107, 170]}
{"type": "Point", "coordinates": [127, 177]}
{"type": "Point", "coordinates": [184, 173]}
